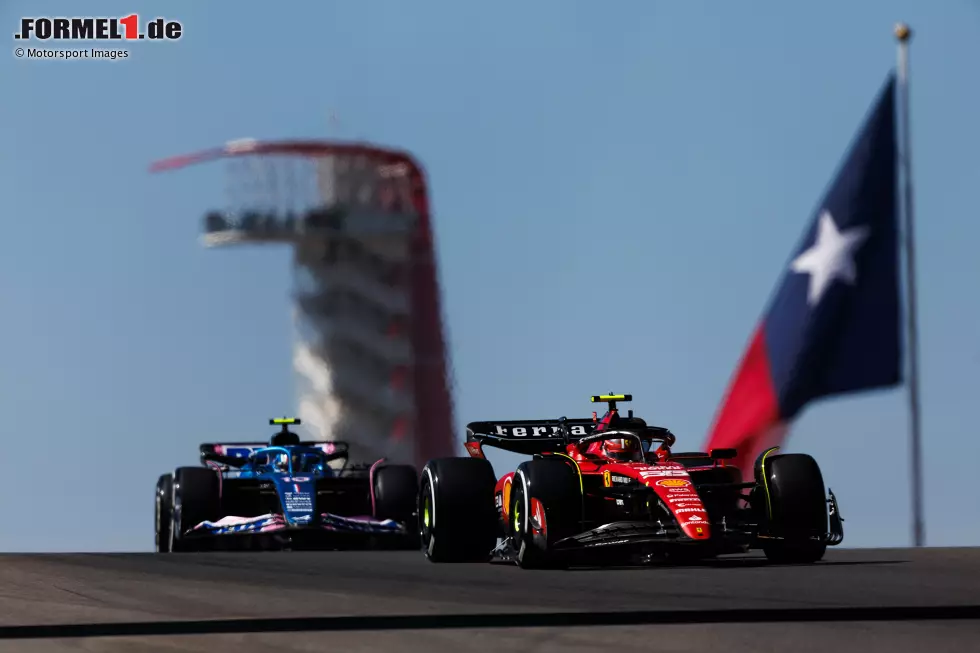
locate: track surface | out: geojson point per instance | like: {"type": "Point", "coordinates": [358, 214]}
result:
{"type": "Point", "coordinates": [867, 600]}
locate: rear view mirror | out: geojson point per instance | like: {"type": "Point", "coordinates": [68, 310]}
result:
{"type": "Point", "coordinates": [723, 454]}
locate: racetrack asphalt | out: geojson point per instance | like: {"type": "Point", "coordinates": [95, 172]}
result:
{"type": "Point", "coordinates": [855, 600]}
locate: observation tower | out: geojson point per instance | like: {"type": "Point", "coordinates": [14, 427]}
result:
{"type": "Point", "coordinates": [369, 355]}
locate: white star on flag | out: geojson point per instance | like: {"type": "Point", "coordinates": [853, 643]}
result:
{"type": "Point", "coordinates": [831, 257]}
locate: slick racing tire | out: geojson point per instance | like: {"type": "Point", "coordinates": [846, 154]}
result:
{"type": "Point", "coordinates": [545, 507]}
{"type": "Point", "coordinates": [196, 499]}
{"type": "Point", "coordinates": [162, 513]}
{"type": "Point", "coordinates": [457, 515]}
{"type": "Point", "coordinates": [794, 508]}
{"type": "Point", "coordinates": [396, 489]}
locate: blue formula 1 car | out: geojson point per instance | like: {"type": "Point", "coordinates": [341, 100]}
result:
{"type": "Point", "coordinates": [285, 495]}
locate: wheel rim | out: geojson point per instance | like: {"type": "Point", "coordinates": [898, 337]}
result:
{"type": "Point", "coordinates": [427, 521]}
{"type": "Point", "coordinates": [516, 521]}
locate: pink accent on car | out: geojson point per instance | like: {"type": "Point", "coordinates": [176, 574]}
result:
{"type": "Point", "coordinates": [345, 517]}
{"type": "Point", "coordinates": [374, 509]}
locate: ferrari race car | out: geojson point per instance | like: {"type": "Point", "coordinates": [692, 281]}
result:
{"type": "Point", "coordinates": [611, 486]}
{"type": "Point", "coordinates": [285, 495]}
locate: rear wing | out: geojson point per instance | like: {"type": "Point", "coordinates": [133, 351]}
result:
{"type": "Point", "coordinates": [529, 437]}
{"type": "Point", "coordinates": [236, 454]}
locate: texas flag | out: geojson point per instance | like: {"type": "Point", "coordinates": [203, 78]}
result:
{"type": "Point", "coordinates": [833, 325]}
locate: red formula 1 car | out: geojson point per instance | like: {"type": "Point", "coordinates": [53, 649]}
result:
{"type": "Point", "coordinates": [612, 485]}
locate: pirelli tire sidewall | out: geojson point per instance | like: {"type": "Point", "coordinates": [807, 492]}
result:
{"type": "Point", "coordinates": [458, 519]}
{"type": "Point", "coordinates": [554, 482]}
{"type": "Point", "coordinates": [794, 507]}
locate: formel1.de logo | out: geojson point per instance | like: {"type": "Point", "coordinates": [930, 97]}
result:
{"type": "Point", "coordinates": [127, 28]}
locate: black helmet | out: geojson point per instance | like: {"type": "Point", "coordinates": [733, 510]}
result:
{"type": "Point", "coordinates": [284, 437]}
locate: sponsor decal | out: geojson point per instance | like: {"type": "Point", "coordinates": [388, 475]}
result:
{"type": "Point", "coordinates": [537, 431]}
{"type": "Point", "coordinates": [673, 482]}
{"type": "Point", "coordinates": [663, 472]}
{"type": "Point", "coordinates": [694, 518]}
{"type": "Point", "coordinates": [680, 510]}
{"type": "Point", "coordinates": [297, 502]}
{"type": "Point", "coordinates": [685, 499]}
{"type": "Point", "coordinates": [234, 451]}
{"type": "Point", "coordinates": [608, 478]}
{"type": "Point", "coordinates": [297, 479]}
{"type": "Point", "coordinates": [680, 490]}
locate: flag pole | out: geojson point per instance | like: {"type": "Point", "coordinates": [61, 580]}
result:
{"type": "Point", "coordinates": [904, 34]}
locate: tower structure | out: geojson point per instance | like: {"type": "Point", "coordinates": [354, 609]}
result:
{"type": "Point", "coordinates": [370, 356]}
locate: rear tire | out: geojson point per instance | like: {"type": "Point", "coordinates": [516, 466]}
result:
{"type": "Point", "coordinates": [196, 499]}
{"type": "Point", "coordinates": [396, 489]}
{"type": "Point", "coordinates": [457, 515]}
{"type": "Point", "coordinates": [794, 508]}
{"type": "Point", "coordinates": [554, 484]}
{"type": "Point", "coordinates": [162, 513]}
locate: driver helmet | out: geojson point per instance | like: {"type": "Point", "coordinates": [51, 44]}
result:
{"type": "Point", "coordinates": [621, 449]}
{"type": "Point", "coordinates": [284, 438]}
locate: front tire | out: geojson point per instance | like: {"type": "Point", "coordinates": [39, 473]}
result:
{"type": "Point", "coordinates": [794, 507]}
{"type": "Point", "coordinates": [457, 515]}
{"type": "Point", "coordinates": [196, 498]}
{"type": "Point", "coordinates": [396, 488]}
{"type": "Point", "coordinates": [546, 506]}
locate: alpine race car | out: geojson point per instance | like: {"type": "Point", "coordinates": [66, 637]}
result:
{"type": "Point", "coordinates": [610, 489]}
{"type": "Point", "coordinates": [285, 495]}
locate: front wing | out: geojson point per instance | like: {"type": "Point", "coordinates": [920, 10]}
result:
{"type": "Point", "coordinates": [661, 533]}
{"type": "Point", "coordinates": [275, 523]}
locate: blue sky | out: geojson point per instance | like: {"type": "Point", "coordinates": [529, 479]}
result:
{"type": "Point", "coordinates": [664, 155]}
